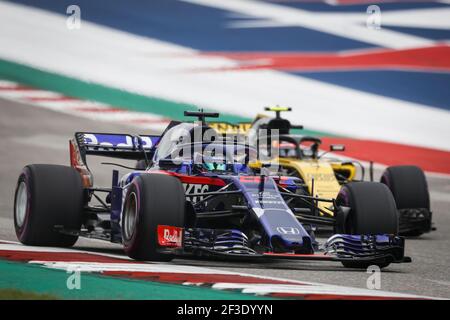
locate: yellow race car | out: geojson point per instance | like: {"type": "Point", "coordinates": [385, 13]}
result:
{"type": "Point", "coordinates": [322, 177]}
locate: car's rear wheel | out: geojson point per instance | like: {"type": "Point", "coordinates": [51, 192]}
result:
{"type": "Point", "coordinates": [151, 200]}
{"type": "Point", "coordinates": [48, 198]}
{"type": "Point", "coordinates": [372, 212]}
{"type": "Point", "coordinates": [410, 189]}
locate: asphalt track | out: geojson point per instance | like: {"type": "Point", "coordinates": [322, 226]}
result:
{"type": "Point", "coordinates": [33, 135]}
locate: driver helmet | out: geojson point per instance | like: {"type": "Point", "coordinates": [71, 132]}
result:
{"type": "Point", "coordinates": [210, 163]}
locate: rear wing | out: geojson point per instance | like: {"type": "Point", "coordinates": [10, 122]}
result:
{"type": "Point", "coordinates": [122, 146]}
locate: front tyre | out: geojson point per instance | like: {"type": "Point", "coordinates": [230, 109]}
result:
{"type": "Point", "coordinates": [151, 200]}
{"type": "Point", "coordinates": [47, 197]}
{"type": "Point", "coordinates": [372, 212]}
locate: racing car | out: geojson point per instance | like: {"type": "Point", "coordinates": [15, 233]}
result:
{"type": "Point", "coordinates": [199, 198]}
{"type": "Point", "coordinates": [300, 156]}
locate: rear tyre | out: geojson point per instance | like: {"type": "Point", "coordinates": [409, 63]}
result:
{"type": "Point", "coordinates": [410, 189]}
{"type": "Point", "coordinates": [48, 197]}
{"type": "Point", "coordinates": [372, 212]}
{"type": "Point", "coordinates": [151, 200]}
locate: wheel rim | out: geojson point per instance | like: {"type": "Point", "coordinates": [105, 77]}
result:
{"type": "Point", "coordinates": [130, 213]}
{"type": "Point", "coordinates": [21, 204]}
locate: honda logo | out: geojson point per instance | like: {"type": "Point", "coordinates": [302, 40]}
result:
{"type": "Point", "coordinates": [288, 230]}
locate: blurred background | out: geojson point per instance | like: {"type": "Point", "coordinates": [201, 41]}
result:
{"type": "Point", "coordinates": [372, 75]}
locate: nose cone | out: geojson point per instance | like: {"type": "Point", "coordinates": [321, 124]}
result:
{"type": "Point", "coordinates": [284, 231]}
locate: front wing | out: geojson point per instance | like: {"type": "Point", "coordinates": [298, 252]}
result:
{"type": "Point", "coordinates": [234, 245]}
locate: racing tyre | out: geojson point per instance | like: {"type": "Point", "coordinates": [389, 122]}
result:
{"type": "Point", "coordinates": [48, 197]}
{"type": "Point", "coordinates": [410, 189]}
{"type": "Point", "coordinates": [372, 212]}
{"type": "Point", "coordinates": [151, 200]}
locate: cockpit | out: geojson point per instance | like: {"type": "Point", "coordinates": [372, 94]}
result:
{"type": "Point", "coordinates": [201, 148]}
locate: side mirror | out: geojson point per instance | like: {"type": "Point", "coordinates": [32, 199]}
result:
{"type": "Point", "coordinates": [168, 164]}
{"type": "Point", "coordinates": [337, 147]}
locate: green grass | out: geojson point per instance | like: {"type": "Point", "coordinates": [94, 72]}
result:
{"type": "Point", "coordinates": [38, 282]}
{"type": "Point", "coordinates": [14, 294]}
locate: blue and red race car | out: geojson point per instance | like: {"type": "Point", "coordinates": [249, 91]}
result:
{"type": "Point", "coordinates": [198, 196]}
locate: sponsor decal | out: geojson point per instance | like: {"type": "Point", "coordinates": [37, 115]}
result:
{"type": "Point", "coordinates": [229, 128]}
{"type": "Point", "coordinates": [288, 230]}
{"type": "Point", "coordinates": [118, 140]}
{"type": "Point", "coordinates": [191, 188]}
{"type": "Point", "coordinates": [323, 177]}
{"type": "Point", "coordinates": [267, 202]}
{"type": "Point", "coordinates": [169, 236]}
{"type": "Point", "coordinates": [251, 179]}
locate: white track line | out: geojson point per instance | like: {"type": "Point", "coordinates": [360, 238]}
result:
{"type": "Point", "coordinates": [81, 108]}
{"type": "Point", "coordinates": [348, 25]}
{"type": "Point", "coordinates": [159, 69]}
{"type": "Point", "coordinates": [295, 286]}
{"type": "Point", "coordinates": [97, 111]}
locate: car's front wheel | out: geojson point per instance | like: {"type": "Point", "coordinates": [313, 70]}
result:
{"type": "Point", "coordinates": [372, 212]}
{"type": "Point", "coordinates": [151, 200]}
